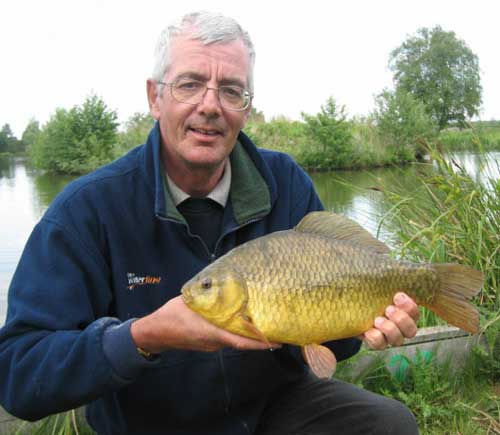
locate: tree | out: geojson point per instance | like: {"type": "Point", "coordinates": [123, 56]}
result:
{"type": "Point", "coordinates": [30, 133]}
{"type": "Point", "coordinates": [77, 140]}
{"type": "Point", "coordinates": [136, 132]}
{"type": "Point", "coordinates": [8, 142]}
{"type": "Point", "coordinates": [403, 124]}
{"type": "Point", "coordinates": [331, 129]}
{"type": "Point", "coordinates": [440, 70]}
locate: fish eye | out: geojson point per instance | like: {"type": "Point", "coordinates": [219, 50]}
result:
{"type": "Point", "coordinates": [206, 283]}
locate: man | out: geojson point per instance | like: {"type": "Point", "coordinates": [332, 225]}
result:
{"type": "Point", "coordinates": [95, 315]}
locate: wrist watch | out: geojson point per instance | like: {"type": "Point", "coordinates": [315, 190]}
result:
{"type": "Point", "coordinates": [147, 355]}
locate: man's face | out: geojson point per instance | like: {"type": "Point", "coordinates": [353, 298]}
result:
{"type": "Point", "coordinates": [201, 135]}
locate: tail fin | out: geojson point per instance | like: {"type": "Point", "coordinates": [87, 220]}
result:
{"type": "Point", "coordinates": [459, 284]}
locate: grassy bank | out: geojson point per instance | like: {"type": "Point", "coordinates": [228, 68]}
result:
{"type": "Point", "coordinates": [479, 135]}
{"type": "Point", "coordinates": [366, 148]}
{"type": "Point", "coordinates": [445, 399]}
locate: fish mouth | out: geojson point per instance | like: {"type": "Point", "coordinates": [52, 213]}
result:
{"type": "Point", "coordinates": [186, 297]}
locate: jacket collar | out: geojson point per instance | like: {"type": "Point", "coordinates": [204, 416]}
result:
{"type": "Point", "coordinates": [253, 187]}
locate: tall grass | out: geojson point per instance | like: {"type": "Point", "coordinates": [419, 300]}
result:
{"type": "Point", "coordinates": [451, 217]}
{"type": "Point", "coordinates": [485, 136]}
{"type": "Point", "coordinates": [66, 423]}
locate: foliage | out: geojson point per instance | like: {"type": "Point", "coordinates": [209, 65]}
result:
{"type": "Point", "coordinates": [66, 423]}
{"type": "Point", "coordinates": [280, 134]}
{"type": "Point", "coordinates": [294, 137]}
{"type": "Point", "coordinates": [485, 136]}
{"type": "Point", "coordinates": [451, 217]}
{"type": "Point", "coordinates": [136, 132]}
{"type": "Point", "coordinates": [440, 70]}
{"type": "Point", "coordinates": [403, 124]}
{"type": "Point", "coordinates": [256, 115]}
{"type": "Point", "coordinates": [332, 130]}
{"type": "Point", "coordinates": [31, 133]}
{"type": "Point", "coordinates": [77, 140]}
{"type": "Point", "coordinates": [445, 398]}
{"type": "Point", "coordinates": [8, 142]}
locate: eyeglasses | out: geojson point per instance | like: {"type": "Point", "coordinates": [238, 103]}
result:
{"type": "Point", "coordinates": [190, 91]}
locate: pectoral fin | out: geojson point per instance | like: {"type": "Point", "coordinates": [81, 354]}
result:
{"type": "Point", "coordinates": [320, 359]}
{"type": "Point", "coordinates": [253, 330]}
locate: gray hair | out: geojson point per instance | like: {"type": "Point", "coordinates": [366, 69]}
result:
{"type": "Point", "coordinates": [207, 27]}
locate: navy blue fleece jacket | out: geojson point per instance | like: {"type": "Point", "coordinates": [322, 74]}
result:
{"type": "Point", "coordinates": [112, 247]}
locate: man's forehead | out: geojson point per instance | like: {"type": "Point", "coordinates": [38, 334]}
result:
{"type": "Point", "coordinates": [190, 54]}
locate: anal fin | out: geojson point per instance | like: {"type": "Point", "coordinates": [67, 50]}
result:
{"type": "Point", "coordinates": [320, 359]}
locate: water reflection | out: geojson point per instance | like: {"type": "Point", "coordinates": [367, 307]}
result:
{"type": "Point", "coordinates": [46, 187]}
{"type": "Point", "coordinates": [357, 194]}
{"type": "Point", "coordinates": [25, 194]}
{"type": "Point", "coordinates": [481, 169]}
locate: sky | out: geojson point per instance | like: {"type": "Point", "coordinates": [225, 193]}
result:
{"type": "Point", "coordinates": [55, 53]}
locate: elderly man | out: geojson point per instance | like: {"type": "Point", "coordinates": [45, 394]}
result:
{"type": "Point", "coordinates": [95, 315]}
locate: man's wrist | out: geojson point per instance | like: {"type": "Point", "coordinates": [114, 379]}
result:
{"type": "Point", "coordinates": [142, 337]}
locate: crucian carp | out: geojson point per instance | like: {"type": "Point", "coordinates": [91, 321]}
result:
{"type": "Point", "coordinates": [326, 279]}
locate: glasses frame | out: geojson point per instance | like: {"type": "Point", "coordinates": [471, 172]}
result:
{"type": "Point", "coordinates": [207, 88]}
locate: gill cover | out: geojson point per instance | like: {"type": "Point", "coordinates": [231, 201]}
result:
{"type": "Point", "coordinates": [217, 293]}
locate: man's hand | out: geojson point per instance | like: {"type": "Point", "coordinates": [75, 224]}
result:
{"type": "Point", "coordinates": [400, 322]}
{"type": "Point", "coordinates": [176, 326]}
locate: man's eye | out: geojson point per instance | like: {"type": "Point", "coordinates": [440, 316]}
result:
{"type": "Point", "coordinates": [232, 91]}
{"type": "Point", "coordinates": [189, 85]}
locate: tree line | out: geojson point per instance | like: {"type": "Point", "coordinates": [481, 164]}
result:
{"type": "Point", "coordinates": [436, 85]}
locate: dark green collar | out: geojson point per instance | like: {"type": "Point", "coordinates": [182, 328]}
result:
{"type": "Point", "coordinates": [249, 193]}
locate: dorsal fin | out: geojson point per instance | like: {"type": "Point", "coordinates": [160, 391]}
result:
{"type": "Point", "coordinates": [328, 224]}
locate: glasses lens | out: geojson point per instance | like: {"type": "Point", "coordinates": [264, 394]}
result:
{"type": "Point", "coordinates": [188, 91]}
{"type": "Point", "coordinates": [233, 97]}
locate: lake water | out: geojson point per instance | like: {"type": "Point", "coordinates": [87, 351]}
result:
{"type": "Point", "coordinates": [25, 194]}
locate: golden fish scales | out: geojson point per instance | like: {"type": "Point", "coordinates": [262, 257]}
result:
{"type": "Point", "coordinates": [321, 291]}
{"type": "Point", "coordinates": [326, 279]}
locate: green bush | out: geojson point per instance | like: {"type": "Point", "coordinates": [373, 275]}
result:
{"type": "Point", "coordinates": [136, 132]}
{"type": "Point", "coordinates": [403, 125]}
{"type": "Point", "coordinates": [331, 129]}
{"type": "Point", "coordinates": [77, 140]}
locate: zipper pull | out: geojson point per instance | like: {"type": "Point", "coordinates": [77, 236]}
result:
{"type": "Point", "coordinates": [212, 257]}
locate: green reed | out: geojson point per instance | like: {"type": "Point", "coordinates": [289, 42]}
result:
{"type": "Point", "coordinates": [451, 217]}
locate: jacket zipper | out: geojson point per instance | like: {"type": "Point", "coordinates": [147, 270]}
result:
{"type": "Point", "coordinates": [220, 352]}
{"type": "Point", "coordinates": [227, 408]}
{"type": "Point", "coordinates": [212, 257]}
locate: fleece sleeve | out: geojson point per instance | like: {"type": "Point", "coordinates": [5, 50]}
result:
{"type": "Point", "coordinates": [51, 346]}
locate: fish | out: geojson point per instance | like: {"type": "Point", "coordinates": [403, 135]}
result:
{"type": "Point", "coordinates": [326, 279]}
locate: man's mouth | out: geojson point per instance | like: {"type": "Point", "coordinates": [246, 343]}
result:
{"type": "Point", "coordinates": [205, 131]}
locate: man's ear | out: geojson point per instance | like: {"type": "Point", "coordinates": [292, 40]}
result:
{"type": "Point", "coordinates": [152, 92]}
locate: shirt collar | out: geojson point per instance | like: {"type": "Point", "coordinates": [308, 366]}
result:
{"type": "Point", "coordinates": [219, 194]}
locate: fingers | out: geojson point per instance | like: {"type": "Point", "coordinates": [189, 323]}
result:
{"type": "Point", "coordinates": [407, 304]}
{"type": "Point", "coordinates": [399, 323]}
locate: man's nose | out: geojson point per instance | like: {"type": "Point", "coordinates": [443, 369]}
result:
{"type": "Point", "coordinates": [210, 103]}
